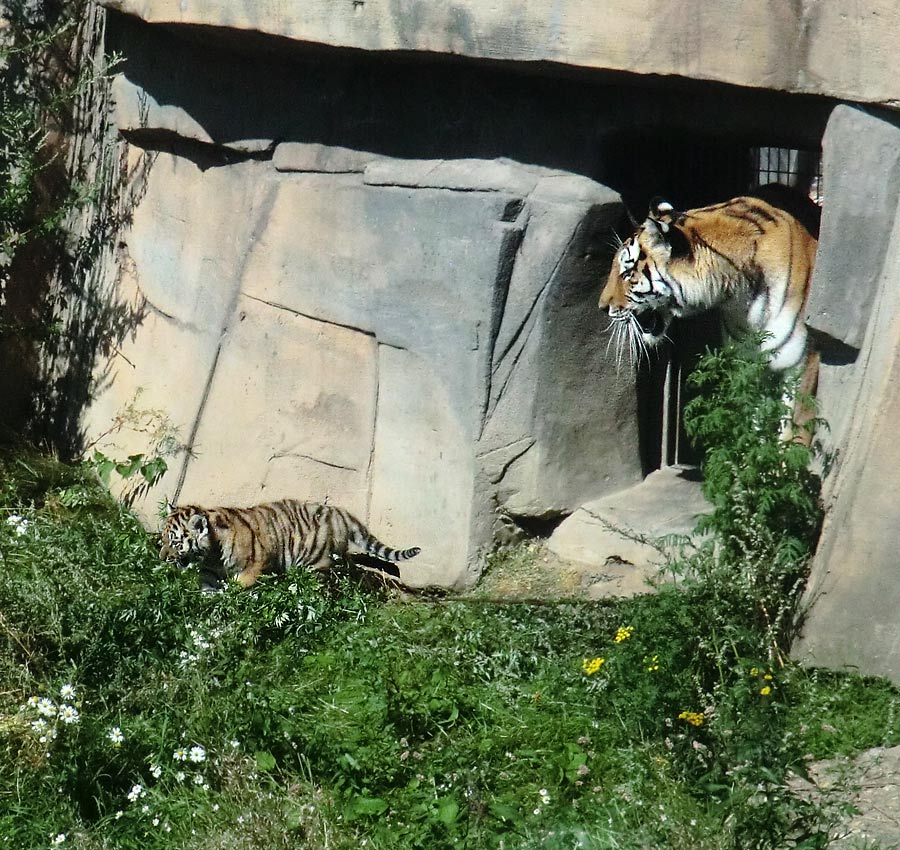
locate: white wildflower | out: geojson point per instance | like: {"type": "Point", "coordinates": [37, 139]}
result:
{"type": "Point", "coordinates": [59, 839]}
{"type": "Point", "coordinates": [179, 775]}
{"type": "Point", "coordinates": [197, 754]}
{"type": "Point", "coordinates": [115, 735]}
{"type": "Point", "coordinates": [198, 779]}
{"type": "Point", "coordinates": [68, 714]}
{"type": "Point", "coordinates": [119, 814]}
{"type": "Point", "coordinates": [180, 754]}
{"type": "Point", "coordinates": [67, 692]}
{"type": "Point", "coordinates": [46, 707]}
{"type": "Point", "coordinates": [135, 792]}
{"type": "Point", "coordinates": [156, 770]}
{"type": "Point", "coordinates": [33, 702]}
{"type": "Point", "coordinates": [20, 526]}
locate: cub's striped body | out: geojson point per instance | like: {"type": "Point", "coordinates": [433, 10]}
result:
{"type": "Point", "coordinates": [748, 257]}
{"type": "Point", "coordinates": [243, 543]}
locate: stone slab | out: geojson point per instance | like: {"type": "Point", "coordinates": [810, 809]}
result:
{"type": "Point", "coordinates": [331, 336]}
{"type": "Point", "coordinates": [179, 264]}
{"type": "Point", "coordinates": [312, 156]}
{"type": "Point", "coordinates": [853, 596]}
{"type": "Point", "coordinates": [462, 175]}
{"type": "Point", "coordinates": [554, 396]}
{"type": "Point", "coordinates": [290, 413]}
{"type": "Point", "coordinates": [618, 534]}
{"type": "Point", "coordinates": [816, 48]}
{"type": "Point", "coordinates": [861, 175]}
{"type": "Point", "coordinates": [422, 473]}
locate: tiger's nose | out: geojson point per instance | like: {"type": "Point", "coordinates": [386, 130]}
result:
{"type": "Point", "coordinates": [608, 297]}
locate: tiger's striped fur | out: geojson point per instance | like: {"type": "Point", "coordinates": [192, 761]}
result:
{"type": "Point", "coordinates": [747, 256]}
{"type": "Point", "coordinates": [243, 543]}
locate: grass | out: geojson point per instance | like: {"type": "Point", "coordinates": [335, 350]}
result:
{"type": "Point", "coordinates": [302, 714]}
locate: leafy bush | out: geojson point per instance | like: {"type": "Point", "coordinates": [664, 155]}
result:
{"type": "Point", "coordinates": [736, 602]}
{"type": "Point", "coordinates": [762, 487]}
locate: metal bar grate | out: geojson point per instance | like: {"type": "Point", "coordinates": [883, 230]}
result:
{"type": "Point", "coordinates": [800, 169]}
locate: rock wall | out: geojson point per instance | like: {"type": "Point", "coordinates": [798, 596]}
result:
{"type": "Point", "coordinates": [372, 275]}
{"type": "Point", "coordinates": [817, 48]}
{"type": "Point", "coordinates": [853, 595]}
{"type": "Point", "coordinates": [415, 339]}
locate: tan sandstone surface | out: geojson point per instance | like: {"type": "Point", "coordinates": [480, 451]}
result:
{"type": "Point", "coordinates": [831, 48]}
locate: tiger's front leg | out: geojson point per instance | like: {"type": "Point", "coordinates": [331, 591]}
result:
{"type": "Point", "coordinates": [251, 572]}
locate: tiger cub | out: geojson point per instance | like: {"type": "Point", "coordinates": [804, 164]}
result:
{"type": "Point", "coordinates": [243, 543]}
{"type": "Point", "coordinates": [751, 258]}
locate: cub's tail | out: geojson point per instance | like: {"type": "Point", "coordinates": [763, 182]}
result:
{"type": "Point", "coordinates": [379, 550]}
{"type": "Point", "coordinates": [371, 545]}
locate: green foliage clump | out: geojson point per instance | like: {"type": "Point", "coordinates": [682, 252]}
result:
{"type": "Point", "coordinates": [37, 91]}
{"type": "Point", "coordinates": [138, 712]}
{"type": "Point", "coordinates": [724, 629]}
{"type": "Point", "coordinates": [764, 492]}
{"type": "Point", "coordinates": [762, 487]}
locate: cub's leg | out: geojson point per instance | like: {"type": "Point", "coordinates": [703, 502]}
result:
{"type": "Point", "coordinates": [248, 576]}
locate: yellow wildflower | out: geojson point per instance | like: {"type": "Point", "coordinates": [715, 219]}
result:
{"type": "Point", "coordinates": [652, 663]}
{"type": "Point", "coordinates": [623, 633]}
{"type": "Point", "coordinates": [768, 677]}
{"type": "Point", "coordinates": [765, 691]}
{"type": "Point", "coordinates": [692, 717]}
{"type": "Point", "coordinates": [592, 665]}
{"type": "Point", "coordinates": [754, 671]}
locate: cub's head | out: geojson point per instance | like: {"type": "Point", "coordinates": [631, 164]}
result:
{"type": "Point", "coordinates": [184, 535]}
{"type": "Point", "coordinates": [639, 295]}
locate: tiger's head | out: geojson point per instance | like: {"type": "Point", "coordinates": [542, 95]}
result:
{"type": "Point", "coordinates": [184, 535]}
{"type": "Point", "coordinates": [640, 297]}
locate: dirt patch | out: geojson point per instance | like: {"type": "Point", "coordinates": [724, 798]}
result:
{"type": "Point", "coordinates": [869, 787]}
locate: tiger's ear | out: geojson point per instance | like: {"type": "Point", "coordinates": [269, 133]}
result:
{"type": "Point", "coordinates": [197, 522]}
{"type": "Point", "coordinates": [666, 218]}
{"type": "Point", "coordinates": [663, 213]}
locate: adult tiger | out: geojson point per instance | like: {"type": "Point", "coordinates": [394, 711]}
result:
{"type": "Point", "coordinates": [243, 543]}
{"type": "Point", "coordinates": [749, 257]}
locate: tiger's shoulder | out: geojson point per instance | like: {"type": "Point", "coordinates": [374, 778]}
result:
{"type": "Point", "coordinates": [732, 230]}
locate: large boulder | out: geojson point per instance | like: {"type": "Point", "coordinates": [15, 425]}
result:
{"type": "Point", "coordinates": [853, 595]}
{"type": "Point", "coordinates": [416, 340]}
